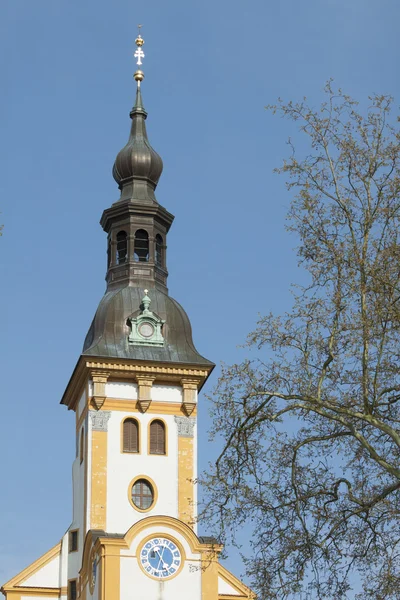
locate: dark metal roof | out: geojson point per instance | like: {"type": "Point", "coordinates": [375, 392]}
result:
{"type": "Point", "coordinates": [137, 159]}
{"type": "Point", "coordinates": [108, 334]}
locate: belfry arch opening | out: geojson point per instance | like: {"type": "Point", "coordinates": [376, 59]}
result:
{"type": "Point", "coordinates": [159, 253]}
{"type": "Point", "coordinates": [141, 248]}
{"type": "Point", "coordinates": [122, 247]}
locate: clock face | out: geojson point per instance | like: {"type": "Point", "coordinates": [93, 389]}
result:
{"type": "Point", "coordinates": [160, 558]}
{"type": "Point", "coordinates": [146, 329]}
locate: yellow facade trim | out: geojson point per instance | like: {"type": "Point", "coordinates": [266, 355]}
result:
{"type": "Point", "coordinates": [242, 590]}
{"type": "Point", "coordinates": [13, 595]}
{"type": "Point", "coordinates": [209, 576]}
{"type": "Point", "coordinates": [32, 591]}
{"type": "Point", "coordinates": [155, 492]}
{"type": "Point", "coordinates": [129, 369]}
{"type": "Point", "coordinates": [172, 523]}
{"type": "Point", "coordinates": [98, 494]}
{"type": "Point", "coordinates": [232, 597]}
{"type": "Point", "coordinates": [110, 569]}
{"type": "Point", "coordinates": [85, 477]}
{"type": "Point", "coordinates": [156, 407]}
{"type": "Point", "coordinates": [185, 480]}
{"type": "Point", "coordinates": [33, 568]}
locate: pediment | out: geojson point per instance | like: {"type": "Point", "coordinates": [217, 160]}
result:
{"type": "Point", "coordinates": [42, 573]}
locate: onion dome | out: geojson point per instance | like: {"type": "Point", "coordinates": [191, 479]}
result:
{"type": "Point", "coordinates": [137, 160]}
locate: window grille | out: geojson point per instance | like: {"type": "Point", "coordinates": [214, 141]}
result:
{"type": "Point", "coordinates": [142, 494]}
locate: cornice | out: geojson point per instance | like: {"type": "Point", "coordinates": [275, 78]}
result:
{"type": "Point", "coordinates": [124, 369]}
{"type": "Point", "coordinates": [33, 591]}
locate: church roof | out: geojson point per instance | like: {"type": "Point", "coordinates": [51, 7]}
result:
{"type": "Point", "coordinates": [137, 159]}
{"type": "Point", "coordinates": [137, 227]}
{"type": "Point", "coordinates": [109, 332]}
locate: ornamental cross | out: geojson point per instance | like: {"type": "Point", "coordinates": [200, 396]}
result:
{"type": "Point", "coordinates": [139, 54]}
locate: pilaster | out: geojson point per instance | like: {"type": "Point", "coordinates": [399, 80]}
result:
{"type": "Point", "coordinates": [98, 510]}
{"type": "Point", "coordinates": [185, 428]}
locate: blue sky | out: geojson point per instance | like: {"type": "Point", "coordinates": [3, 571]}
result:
{"type": "Point", "coordinates": [67, 89]}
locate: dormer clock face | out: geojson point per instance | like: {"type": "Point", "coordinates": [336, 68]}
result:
{"type": "Point", "coordinates": [160, 558]}
{"type": "Point", "coordinates": [146, 329]}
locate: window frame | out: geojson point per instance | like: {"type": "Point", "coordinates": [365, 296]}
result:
{"type": "Point", "coordinates": [155, 493]}
{"type": "Point", "coordinates": [139, 435]}
{"type": "Point", "coordinates": [69, 594]}
{"type": "Point", "coordinates": [70, 537]}
{"type": "Point", "coordinates": [165, 453]}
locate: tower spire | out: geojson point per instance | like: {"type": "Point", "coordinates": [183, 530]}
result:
{"type": "Point", "coordinates": [136, 224]}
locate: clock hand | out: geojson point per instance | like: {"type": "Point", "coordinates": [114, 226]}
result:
{"type": "Point", "coordinates": [160, 557]}
{"type": "Point", "coordinates": [165, 565]}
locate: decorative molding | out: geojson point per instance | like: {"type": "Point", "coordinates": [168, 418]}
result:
{"type": "Point", "coordinates": [99, 387]}
{"type": "Point", "coordinates": [189, 386]}
{"type": "Point", "coordinates": [143, 405]}
{"type": "Point", "coordinates": [175, 372]}
{"type": "Point", "coordinates": [185, 426]}
{"type": "Point", "coordinates": [133, 406]}
{"type": "Point", "coordinates": [100, 419]}
{"type": "Point", "coordinates": [144, 392]}
{"type": "Point", "coordinates": [188, 407]}
{"type": "Point", "coordinates": [127, 369]}
{"type": "Point", "coordinates": [146, 328]}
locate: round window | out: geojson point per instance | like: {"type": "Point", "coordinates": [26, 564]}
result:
{"type": "Point", "coordinates": [142, 494]}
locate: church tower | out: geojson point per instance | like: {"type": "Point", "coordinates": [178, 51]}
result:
{"type": "Point", "coordinates": [134, 392]}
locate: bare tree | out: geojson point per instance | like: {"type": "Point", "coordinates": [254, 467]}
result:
{"type": "Point", "coordinates": [310, 425]}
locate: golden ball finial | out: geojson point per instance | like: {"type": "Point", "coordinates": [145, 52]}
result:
{"type": "Point", "coordinates": [138, 75]}
{"type": "Point", "coordinates": [139, 41]}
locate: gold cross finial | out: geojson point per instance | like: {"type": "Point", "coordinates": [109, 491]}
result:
{"type": "Point", "coordinates": [139, 54]}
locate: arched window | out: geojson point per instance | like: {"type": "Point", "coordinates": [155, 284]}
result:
{"type": "Point", "coordinates": [82, 445]}
{"type": "Point", "coordinates": [130, 435]}
{"type": "Point", "coordinates": [159, 250]}
{"type": "Point", "coordinates": [157, 437]}
{"type": "Point", "coordinates": [122, 247]}
{"type": "Point", "coordinates": [141, 252]}
{"type": "Point", "coordinates": [109, 253]}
